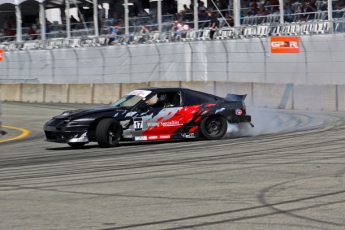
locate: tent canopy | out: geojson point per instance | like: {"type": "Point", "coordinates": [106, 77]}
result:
{"type": "Point", "coordinates": [49, 4]}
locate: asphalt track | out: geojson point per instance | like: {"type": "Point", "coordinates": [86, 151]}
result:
{"type": "Point", "coordinates": [286, 173]}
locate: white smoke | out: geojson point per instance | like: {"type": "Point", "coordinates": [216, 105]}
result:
{"type": "Point", "coordinates": [232, 128]}
{"type": "Point", "coordinates": [265, 121]}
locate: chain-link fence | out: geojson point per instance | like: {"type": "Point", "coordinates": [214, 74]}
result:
{"type": "Point", "coordinates": [321, 61]}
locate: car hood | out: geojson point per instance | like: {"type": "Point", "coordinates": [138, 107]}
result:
{"type": "Point", "coordinates": [71, 114]}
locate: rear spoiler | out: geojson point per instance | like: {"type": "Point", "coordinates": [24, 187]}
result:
{"type": "Point", "coordinates": [235, 97]}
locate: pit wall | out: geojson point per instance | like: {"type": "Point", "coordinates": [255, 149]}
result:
{"type": "Point", "coordinates": [262, 95]}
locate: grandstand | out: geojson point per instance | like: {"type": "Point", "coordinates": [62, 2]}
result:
{"type": "Point", "coordinates": [262, 24]}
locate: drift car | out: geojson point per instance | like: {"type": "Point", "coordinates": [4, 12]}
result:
{"type": "Point", "coordinates": [149, 114]}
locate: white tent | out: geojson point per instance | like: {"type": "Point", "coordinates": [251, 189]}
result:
{"type": "Point", "coordinates": [39, 6]}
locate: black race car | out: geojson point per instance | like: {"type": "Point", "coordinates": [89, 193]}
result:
{"type": "Point", "coordinates": [149, 114]}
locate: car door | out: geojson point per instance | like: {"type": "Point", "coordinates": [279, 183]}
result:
{"type": "Point", "coordinates": [158, 122]}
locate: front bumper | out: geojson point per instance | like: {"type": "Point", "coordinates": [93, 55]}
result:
{"type": "Point", "coordinates": [60, 132]}
{"type": "Point", "coordinates": [66, 137]}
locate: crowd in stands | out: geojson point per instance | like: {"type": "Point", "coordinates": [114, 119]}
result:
{"type": "Point", "coordinates": [143, 23]}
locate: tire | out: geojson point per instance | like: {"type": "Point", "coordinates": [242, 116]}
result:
{"type": "Point", "coordinates": [108, 133]}
{"type": "Point", "coordinates": [76, 145]}
{"type": "Point", "coordinates": [214, 127]}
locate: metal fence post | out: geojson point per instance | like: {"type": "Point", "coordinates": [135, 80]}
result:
{"type": "Point", "coordinates": [191, 61]}
{"type": "Point", "coordinates": [265, 59]}
{"type": "Point", "coordinates": [30, 64]}
{"type": "Point", "coordinates": [227, 60]}
{"type": "Point", "coordinates": [53, 66]}
{"type": "Point", "coordinates": [103, 64]}
{"type": "Point", "coordinates": [77, 65]}
{"type": "Point", "coordinates": [130, 63]}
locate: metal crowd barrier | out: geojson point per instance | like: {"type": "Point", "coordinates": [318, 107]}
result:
{"type": "Point", "coordinates": [241, 32]}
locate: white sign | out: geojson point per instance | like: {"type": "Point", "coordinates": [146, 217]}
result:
{"type": "Point", "coordinates": [141, 138]}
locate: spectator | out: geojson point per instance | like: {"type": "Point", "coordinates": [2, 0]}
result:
{"type": "Point", "coordinates": [6, 23]}
{"type": "Point", "coordinates": [183, 29]}
{"type": "Point", "coordinates": [144, 31]}
{"type": "Point", "coordinates": [135, 9]}
{"type": "Point", "coordinates": [204, 19]}
{"type": "Point", "coordinates": [38, 31]}
{"type": "Point", "coordinates": [324, 6]}
{"type": "Point", "coordinates": [311, 9]}
{"type": "Point", "coordinates": [287, 13]}
{"type": "Point", "coordinates": [12, 23]}
{"type": "Point", "coordinates": [2, 34]}
{"type": "Point", "coordinates": [112, 33]}
{"type": "Point", "coordinates": [229, 19]}
{"type": "Point", "coordinates": [254, 7]}
{"type": "Point", "coordinates": [186, 10]}
{"type": "Point", "coordinates": [11, 33]}
{"type": "Point", "coordinates": [214, 24]}
{"type": "Point", "coordinates": [302, 8]}
{"type": "Point", "coordinates": [262, 12]}
{"type": "Point", "coordinates": [202, 6]}
{"type": "Point", "coordinates": [191, 7]}
{"type": "Point", "coordinates": [32, 34]}
{"type": "Point", "coordinates": [143, 13]}
{"type": "Point", "coordinates": [175, 28]}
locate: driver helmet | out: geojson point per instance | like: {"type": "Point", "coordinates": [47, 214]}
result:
{"type": "Point", "coordinates": [163, 98]}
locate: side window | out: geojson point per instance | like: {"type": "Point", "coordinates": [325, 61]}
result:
{"type": "Point", "coordinates": [165, 100]}
{"type": "Point", "coordinates": [152, 100]}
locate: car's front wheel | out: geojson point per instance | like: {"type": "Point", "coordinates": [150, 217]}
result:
{"type": "Point", "coordinates": [214, 127]}
{"type": "Point", "coordinates": [108, 133]}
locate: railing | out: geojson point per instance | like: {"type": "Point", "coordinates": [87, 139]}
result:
{"type": "Point", "coordinates": [250, 31]}
{"type": "Point", "coordinates": [87, 29]}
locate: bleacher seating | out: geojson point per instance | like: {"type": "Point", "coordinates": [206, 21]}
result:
{"type": "Point", "coordinates": [250, 28]}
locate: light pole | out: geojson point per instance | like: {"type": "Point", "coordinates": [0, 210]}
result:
{"type": "Point", "coordinates": [159, 13]}
{"type": "Point", "coordinates": [95, 17]}
{"type": "Point", "coordinates": [18, 22]}
{"type": "Point", "coordinates": [126, 16]}
{"type": "Point", "coordinates": [196, 16]}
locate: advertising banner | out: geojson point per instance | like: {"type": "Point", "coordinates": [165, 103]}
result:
{"type": "Point", "coordinates": [284, 44]}
{"type": "Point", "coordinates": [1, 54]}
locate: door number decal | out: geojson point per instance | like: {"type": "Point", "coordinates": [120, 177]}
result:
{"type": "Point", "coordinates": [138, 123]}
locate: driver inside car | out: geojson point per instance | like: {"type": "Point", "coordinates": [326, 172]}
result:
{"type": "Point", "coordinates": [164, 101]}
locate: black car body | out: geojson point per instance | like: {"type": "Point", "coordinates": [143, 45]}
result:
{"type": "Point", "coordinates": [149, 114]}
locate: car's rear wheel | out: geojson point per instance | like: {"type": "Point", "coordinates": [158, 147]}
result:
{"type": "Point", "coordinates": [76, 145]}
{"type": "Point", "coordinates": [108, 133]}
{"type": "Point", "coordinates": [214, 127]}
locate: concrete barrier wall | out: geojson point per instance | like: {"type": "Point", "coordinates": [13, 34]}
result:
{"type": "Point", "coordinates": [277, 96]}
{"type": "Point", "coordinates": [11, 92]}
{"type": "Point", "coordinates": [32, 93]}
{"type": "Point", "coordinates": [315, 97]}
{"type": "Point", "coordinates": [56, 93]}
{"type": "Point", "coordinates": [263, 95]}
{"type": "Point", "coordinates": [106, 93]}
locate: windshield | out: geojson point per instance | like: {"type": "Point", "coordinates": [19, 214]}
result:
{"type": "Point", "coordinates": [132, 98]}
